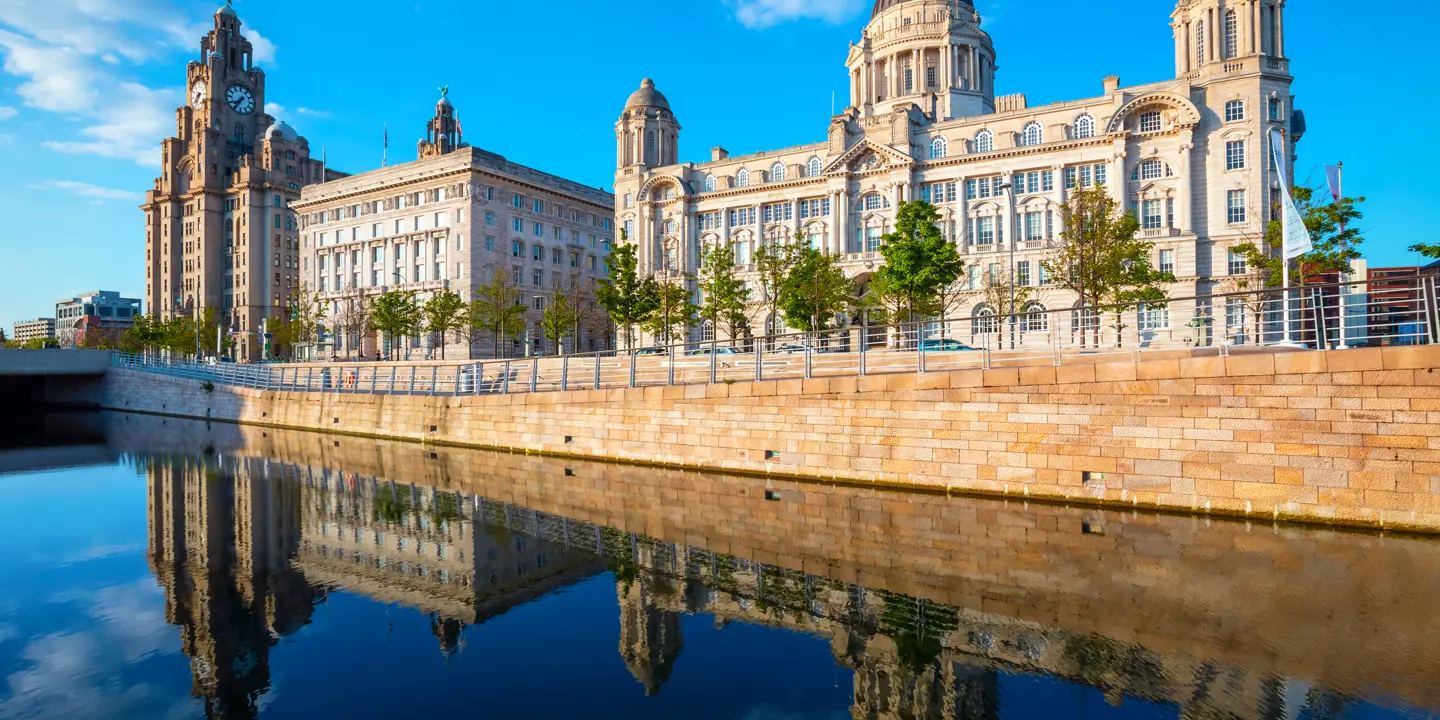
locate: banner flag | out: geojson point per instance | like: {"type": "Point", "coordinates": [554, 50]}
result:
{"type": "Point", "coordinates": [1295, 236]}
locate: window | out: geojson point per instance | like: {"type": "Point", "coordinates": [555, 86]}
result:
{"type": "Point", "coordinates": [1152, 318]}
{"type": "Point", "coordinates": [1084, 127]}
{"type": "Point", "coordinates": [1235, 155]}
{"type": "Point", "coordinates": [1234, 110]}
{"type": "Point", "coordinates": [1034, 226]}
{"type": "Point", "coordinates": [489, 218]}
{"type": "Point", "coordinates": [517, 248]}
{"type": "Point", "coordinates": [1036, 320]}
{"type": "Point", "coordinates": [629, 199]}
{"type": "Point", "coordinates": [669, 227]}
{"type": "Point", "coordinates": [984, 141]}
{"type": "Point", "coordinates": [776, 212]}
{"type": "Point", "coordinates": [516, 200]}
{"type": "Point", "coordinates": [1150, 121]}
{"type": "Point", "coordinates": [1232, 35]}
{"type": "Point", "coordinates": [1032, 134]}
{"type": "Point", "coordinates": [1235, 313]}
{"type": "Point", "coordinates": [1022, 273]}
{"type": "Point", "coordinates": [1200, 40]}
{"type": "Point", "coordinates": [937, 148]}
{"type": "Point", "coordinates": [742, 178]}
{"type": "Point", "coordinates": [814, 208]}
{"type": "Point", "coordinates": [489, 243]}
{"type": "Point", "coordinates": [872, 201]}
{"type": "Point", "coordinates": [1047, 180]}
{"type": "Point", "coordinates": [872, 239]}
{"type": "Point", "coordinates": [814, 167]}
{"type": "Point", "coordinates": [1275, 110]}
{"type": "Point", "coordinates": [742, 216]}
{"type": "Point", "coordinates": [1235, 207]}
{"type": "Point", "coordinates": [1236, 263]}
{"type": "Point", "coordinates": [537, 253]}
{"type": "Point", "coordinates": [517, 225]}
{"type": "Point", "coordinates": [1167, 261]}
{"type": "Point", "coordinates": [984, 231]}
{"type": "Point", "coordinates": [930, 77]}
{"type": "Point", "coordinates": [709, 183]}
{"type": "Point", "coordinates": [538, 206]}
{"type": "Point", "coordinates": [1151, 169]}
{"type": "Point", "coordinates": [777, 172]}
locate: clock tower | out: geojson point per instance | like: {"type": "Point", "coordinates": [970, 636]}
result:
{"type": "Point", "coordinates": [221, 243]}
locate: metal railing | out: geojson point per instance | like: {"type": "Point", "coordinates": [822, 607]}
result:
{"type": "Point", "coordinates": [1394, 311]}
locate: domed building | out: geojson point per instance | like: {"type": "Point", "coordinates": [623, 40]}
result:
{"type": "Point", "coordinates": [1188, 156]}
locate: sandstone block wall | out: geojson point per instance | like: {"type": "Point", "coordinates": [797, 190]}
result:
{"type": "Point", "coordinates": [1350, 437]}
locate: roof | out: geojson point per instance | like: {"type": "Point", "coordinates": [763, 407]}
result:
{"type": "Point", "coordinates": [647, 96]}
{"type": "Point", "coordinates": [883, 5]}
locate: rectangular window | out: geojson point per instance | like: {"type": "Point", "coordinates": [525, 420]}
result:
{"type": "Point", "coordinates": [1235, 155]}
{"type": "Point", "coordinates": [1033, 228]}
{"type": "Point", "coordinates": [1150, 214]}
{"type": "Point", "coordinates": [1101, 172]}
{"type": "Point", "coordinates": [1170, 212]}
{"type": "Point", "coordinates": [517, 248]}
{"type": "Point", "coordinates": [517, 201]}
{"type": "Point", "coordinates": [1235, 313]}
{"type": "Point", "coordinates": [1047, 180]}
{"type": "Point", "coordinates": [1085, 177]}
{"type": "Point", "coordinates": [1236, 263]}
{"type": "Point", "coordinates": [1275, 112]}
{"type": "Point", "coordinates": [538, 206]}
{"type": "Point", "coordinates": [970, 189]}
{"type": "Point", "coordinates": [985, 231]}
{"type": "Point", "coordinates": [872, 239]}
{"type": "Point", "coordinates": [489, 218]}
{"type": "Point", "coordinates": [537, 253]}
{"type": "Point", "coordinates": [517, 225]}
{"type": "Point", "coordinates": [1153, 318]}
{"type": "Point", "coordinates": [1235, 207]}
{"type": "Point", "coordinates": [1022, 273]}
{"type": "Point", "coordinates": [489, 243]}
{"type": "Point", "coordinates": [930, 77]}
{"type": "Point", "coordinates": [1167, 261]}
{"type": "Point", "coordinates": [1069, 178]}
{"type": "Point", "coordinates": [1234, 110]}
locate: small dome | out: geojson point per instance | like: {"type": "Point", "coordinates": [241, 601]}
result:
{"type": "Point", "coordinates": [227, 10]}
{"type": "Point", "coordinates": [647, 95]}
{"type": "Point", "coordinates": [283, 132]}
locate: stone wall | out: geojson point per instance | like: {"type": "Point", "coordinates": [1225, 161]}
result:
{"type": "Point", "coordinates": [1345, 437]}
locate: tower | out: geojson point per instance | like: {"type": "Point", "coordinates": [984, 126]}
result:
{"type": "Point", "coordinates": [647, 135]}
{"type": "Point", "coordinates": [442, 133]}
{"type": "Point", "coordinates": [221, 244]}
{"type": "Point", "coordinates": [1214, 37]}
{"type": "Point", "coordinates": [928, 53]}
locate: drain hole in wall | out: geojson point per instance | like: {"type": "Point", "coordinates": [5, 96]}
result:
{"type": "Point", "coordinates": [771, 454]}
{"type": "Point", "coordinates": [334, 421]}
{"type": "Point", "coordinates": [569, 439]}
{"type": "Point", "coordinates": [434, 456]}
{"type": "Point", "coordinates": [569, 472]}
{"type": "Point", "coordinates": [1090, 527]}
{"type": "Point", "coordinates": [772, 495]}
{"type": "Point", "coordinates": [433, 428]}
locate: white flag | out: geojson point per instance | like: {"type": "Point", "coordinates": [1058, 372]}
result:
{"type": "Point", "coordinates": [1295, 235]}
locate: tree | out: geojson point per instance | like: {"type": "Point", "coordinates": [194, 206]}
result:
{"type": "Point", "coordinates": [628, 298]}
{"type": "Point", "coordinates": [673, 314]}
{"type": "Point", "coordinates": [724, 294]}
{"type": "Point", "coordinates": [919, 264]}
{"type": "Point", "coordinates": [1333, 236]}
{"type": "Point", "coordinates": [351, 321]}
{"type": "Point", "coordinates": [497, 309]}
{"type": "Point", "coordinates": [558, 322]}
{"type": "Point", "coordinates": [443, 313]}
{"type": "Point", "coordinates": [815, 291]}
{"type": "Point", "coordinates": [773, 263]}
{"type": "Point", "coordinates": [580, 296]}
{"type": "Point", "coordinates": [995, 290]}
{"type": "Point", "coordinates": [396, 315]}
{"type": "Point", "coordinates": [305, 314]}
{"type": "Point", "coordinates": [1101, 258]}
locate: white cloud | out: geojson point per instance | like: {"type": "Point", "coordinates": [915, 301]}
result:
{"type": "Point", "coordinates": [274, 109]}
{"type": "Point", "coordinates": [760, 14]}
{"type": "Point", "coordinates": [314, 113]}
{"type": "Point", "coordinates": [99, 193]}
{"type": "Point", "coordinates": [264, 50]}
{"type": "Point", "coordinates": [8, 112]}
{"type": "Point", "coordinates": [98, 552]}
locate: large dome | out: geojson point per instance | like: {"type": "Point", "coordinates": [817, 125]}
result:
{"type": "Point", "coordinates": [883, 5]}
{"type": "Point", "coordinates": [647, 96]}
{"type": "Point", "coordinates": [283, 132]}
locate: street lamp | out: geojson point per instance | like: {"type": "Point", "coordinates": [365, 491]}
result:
{"type": "Point", "coordinates": [1009, 189]}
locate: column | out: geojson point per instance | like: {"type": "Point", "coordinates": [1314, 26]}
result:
{"type": "Point", "coordinates": [1008, 208]}
{"type": "Point", "coordinates": [1179, 49]}
{"type": "Point", "coordinates": [1185, 202]}
{"type": "Point", "coordinates": [841, 221]}
{"type": "Point", "coordinates": [974, 69]}
{"type": "Point", "coordinates": [1280, 28]}
{"type": "Point", "coordinates": [1252, 30]}
{"type": "Point", "coordinates": [1117, 181]}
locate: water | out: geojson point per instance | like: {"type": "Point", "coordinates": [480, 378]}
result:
{"type": "Point", "coordinates": [180, 569]}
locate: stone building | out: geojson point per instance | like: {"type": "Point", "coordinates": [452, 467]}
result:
{"type": "Point", "coordinates": [450, 220]}
{"type": "Point", "coordinates": [1188, 155]}
{"type": "Point", "coordinates": [219, 232]}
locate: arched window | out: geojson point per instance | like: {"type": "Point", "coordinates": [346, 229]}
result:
{"type": "Point", "coordinates": [937, 148]}
{"type": "Point", "coordinates": [669, 227]}
{"type": "Point", "coordinates": [742, 178]}
{"type": "Point", "coordinates": [669, 193]}
{"type": "Point", "coordinates": [872, 201]}
{"type": "Point", "coordinates": [984, 141]}
{"type": "Point", "coordinates": [710, 183]}
{"type": "Point", "coordinates": [1036, 320]}
{"type": "Point", "coordinates": [1232, 35]}
{"type": "Point", "coordinates": [1032, 134]}
{"type": "Point", "coordinates": [1150, 170]}
{"type": "Point", "coordinates": [814, 167]}
{"type": "Point", "coordinates": [1200, 40]}
{"type": "Point", "coordinates": [777, 172]}
{"type": "Point", "coordinates": [707, 332]}
{"type": "Point", "coordinates": [1150, 121]}
{"type": "Point", "coordinates": [984, 321]}
{"type": "Point", "coordinates": [1084, 127]}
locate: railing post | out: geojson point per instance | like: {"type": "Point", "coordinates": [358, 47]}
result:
{"type": "Point", "coordinates": [759, 360]}
{"type": "Point", "coordinates": [864, 342]}
{"type": "Point", "coordinates": [374, 378]}
{"type": "Point", "coordinates": [309, 377]}
{"type": "Point", "coordinates": [809, 362]}
{"type": "Point", "coordinates": [393, 372]}
{"type": "Point", "coordinates": [670, 371]}
{"type": "Point", "coordinates": [505, 382]}
{"type": "Point", "coordinates": [597, 372]}
{"type": "Point", "coordinates": [534, 373]}
{"type": "Point", "coordinates": [413, 373]}
{"type": "Point", "coordinates": [1429, 308]}
{"type": "Point", "coordinates": [564, 373]}
{"type": "Point", "coordinates": [434, 376]}
{"type": "Point", "coordinates": [919, 351]}
{"type": "Point", "coordinates": [712, 363]}
{"type": "Point", "coordinates": [1317, 316]}
{"type": "Point", "coordinates": [632, 368]}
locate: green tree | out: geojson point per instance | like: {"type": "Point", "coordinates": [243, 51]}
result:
{"type": "Point", "coordinates": [558, 322]}
{"type": "Point", "coordinates": [395, 314]}
{"type": "Point", "coordinates": [815, 292]}
{"type": "Point", "coordinates": [724, 293]}
{"type": "Point", "coordinates": [306, 313]}
{"type": "Point", "coordinates": [444, 312]}
{"type": "Point", "coordinates": [1101, 258]}
{"type": "Point", "coordinates": [773, 263]}
{"type": "Point", "coordinates": [1333, 235]}
{"type": "Point", "coordinates": [919, 264]}
{"type": "Point", "coordinates": [497, 310]}
{"type": "Point", "coordinates": [672, 315]}
{"type": "Point", "coordinates": [627, 297]}
{"type": "Point", "coordinates": [995, 288]}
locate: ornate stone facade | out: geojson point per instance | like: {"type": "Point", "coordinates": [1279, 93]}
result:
{"type": "Point", "coordinates": [1188, 155]}
{"type": "Point", "coordinates": [219, 231]}
{"type": "Point", "coordinates": [450, 220]}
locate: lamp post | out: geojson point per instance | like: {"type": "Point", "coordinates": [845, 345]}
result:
{"type": "Point", "coordinates": [1009, 189]}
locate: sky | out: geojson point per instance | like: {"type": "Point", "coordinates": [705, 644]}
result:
{"type": "Point", "coordinates": [88, 89]}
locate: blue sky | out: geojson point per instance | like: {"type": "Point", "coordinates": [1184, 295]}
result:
{"type": "Point", "coordinates": [88, 89]}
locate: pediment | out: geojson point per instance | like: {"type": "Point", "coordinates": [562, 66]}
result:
{"type": "Point", "coordinates": [867, 155]}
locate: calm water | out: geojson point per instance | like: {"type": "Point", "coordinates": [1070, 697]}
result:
{"type": "Point", "coordinates": [158, 568]}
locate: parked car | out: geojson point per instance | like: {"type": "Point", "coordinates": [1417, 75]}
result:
{"type": "Point", "coordinates": [795, 348]}
{"type": "Point", "coordinates": [944, 345]}
{"type": "Point", "coordinates": [719, 350]}
{"type": "Point", "coordinates": [650, 351]}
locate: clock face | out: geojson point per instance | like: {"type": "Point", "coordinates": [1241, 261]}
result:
{"type": "Point", "coordinates": [240, 99]}
{"type": "Point", "coordinates": [197, 95]}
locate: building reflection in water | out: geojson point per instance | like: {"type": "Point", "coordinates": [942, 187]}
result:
{"type": "Point", "coordinates": [246, 548]}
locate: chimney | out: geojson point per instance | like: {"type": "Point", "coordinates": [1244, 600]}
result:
{"type": "Point", "coordinates": [718, 153]}
{"type": "Point", "coordinates": [1008, 103]}
{"type": "Point", "coordinates": [1112, 83]}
